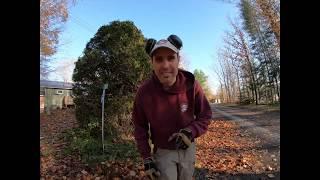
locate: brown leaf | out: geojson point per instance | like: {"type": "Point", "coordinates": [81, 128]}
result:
{"type": "Point", "coordinates": [84, 172]}
{"type": "Point", "coordinates": [269, 168]}
{"type": "Point", "coordinates": [271, 176]}
{"type": "Point", "coordinates": [132, 173]}
{"type": "Point", "coordinates": [99, 170]}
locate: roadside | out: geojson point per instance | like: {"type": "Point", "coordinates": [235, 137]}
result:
{"type": "Point", "coordinates": [226, 151]}
{"type": "Point", "coordinates": [261, 122]}
{"type": "Point", "coordinates": [261, 130]}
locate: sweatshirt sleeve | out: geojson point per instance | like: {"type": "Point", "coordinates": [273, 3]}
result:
{"type": "Point", "coordinates": [140, 128]}
{"type": "Point", "coordinates": [202, 112]}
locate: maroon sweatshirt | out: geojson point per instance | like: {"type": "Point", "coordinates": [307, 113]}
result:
{"type": "Point", "coordinates": [184, 105]}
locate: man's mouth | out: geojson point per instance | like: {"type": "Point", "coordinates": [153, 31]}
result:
{"type": "Point", "coordinates": [166, 75]}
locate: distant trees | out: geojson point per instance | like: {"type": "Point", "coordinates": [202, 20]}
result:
{"type": "Point", "coordinates": [203, 80]}
{"type": "Point", "coordinates": [250, 59]}
{"type": "Point", "coordinates": [184, 61]}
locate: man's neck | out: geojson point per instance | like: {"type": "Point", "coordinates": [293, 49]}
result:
{"type": "Point", "coordinates": [166, 87]}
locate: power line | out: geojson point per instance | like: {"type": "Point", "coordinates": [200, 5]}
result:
{"type": "Point", "coordinates": [82, 23]}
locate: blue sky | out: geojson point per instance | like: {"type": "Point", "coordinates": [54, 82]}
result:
{"type": "Point", "coordinates": [199, 23]}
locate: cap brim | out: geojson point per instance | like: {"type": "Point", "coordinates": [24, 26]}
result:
{"type": "Point", "coordinates": [164, 45]}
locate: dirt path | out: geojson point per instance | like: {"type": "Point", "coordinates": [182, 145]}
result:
{"type": "Point", "coordinates": [262, 124]}
{"type": "Point", "coordinates": [261, 130]}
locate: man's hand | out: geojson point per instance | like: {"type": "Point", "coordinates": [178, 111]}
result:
{"type": "Point", "coordinates": [183, 138]}
{"type": "Point", "coordinates": [151, 169]}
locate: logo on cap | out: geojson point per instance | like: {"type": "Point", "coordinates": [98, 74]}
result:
{"type": "Point", "coordinates": [162, 41]}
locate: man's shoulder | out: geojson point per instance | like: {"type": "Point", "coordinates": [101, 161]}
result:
{"type": "Point", "coordinates": [145, 86]}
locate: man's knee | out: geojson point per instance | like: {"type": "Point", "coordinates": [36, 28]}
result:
{"type": "Point", "coordinates": [166, 163]}
{"type": "Point", "coordinates": [168, 170]}
{"type": "Point", "coordinates": [186, 170]}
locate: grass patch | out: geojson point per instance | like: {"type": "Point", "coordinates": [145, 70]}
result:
{"type": "Point", "coordinates": [90, 148]}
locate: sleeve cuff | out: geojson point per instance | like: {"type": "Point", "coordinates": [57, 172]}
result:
{"type": "Point", "coordinates": [193, 131]}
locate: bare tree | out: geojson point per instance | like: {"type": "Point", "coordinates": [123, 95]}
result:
{"type": "Point", "coordinates": [266, 50]}
{"type": "Point", "coordinates": [64, 69]}
{"type": "Point", "coordinates": [237, 50]}
{"type": "Point", "coordinates": [53, 15]}
{"type": "Point", "coordinates": [220, 92]}
{"type": "Point", "coordinates": [269, 12]}
{"type": "Point", "coordinates": [184, 61]}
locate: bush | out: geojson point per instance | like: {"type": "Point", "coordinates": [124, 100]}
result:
{"type": "Point", "coordinates": [115, 55]}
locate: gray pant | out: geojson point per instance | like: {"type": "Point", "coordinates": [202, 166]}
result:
{"type": "Point", "coordinates": [176, 164]}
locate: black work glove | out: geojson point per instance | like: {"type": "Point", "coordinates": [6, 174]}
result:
{"type": "Point", "coordinates": [151, 169]}
{"type": "Point", "coordinates": [183, 138]}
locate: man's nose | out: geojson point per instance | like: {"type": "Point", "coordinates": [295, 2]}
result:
{"type": "Point", "coordinates": [165, 63]}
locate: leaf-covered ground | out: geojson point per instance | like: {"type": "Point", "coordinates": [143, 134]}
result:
{"type": "Point", "coordinates": [224, 152]}
{"type": "Point", "coordinates": [227, 151]}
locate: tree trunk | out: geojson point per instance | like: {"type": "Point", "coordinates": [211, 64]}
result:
{"type": "Point", "coordinates": [277, 87]}
{"type": "Point", "coordinates": [239, 88]}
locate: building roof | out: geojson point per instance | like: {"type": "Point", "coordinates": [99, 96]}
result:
{"type": "Point", "coordinates": [55, 84]}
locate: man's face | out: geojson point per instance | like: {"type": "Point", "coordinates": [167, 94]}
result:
{"type": "Point", "coordinates": [165, 65]}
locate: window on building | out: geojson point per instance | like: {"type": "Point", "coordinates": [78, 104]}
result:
{"type": "Point", "coordinates": [42, 91]}
{"type": "Point", "coordinates": [59, 92]}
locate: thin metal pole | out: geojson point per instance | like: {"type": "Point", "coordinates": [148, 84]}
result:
{"type": "Point", "coordinates": [102, 101]}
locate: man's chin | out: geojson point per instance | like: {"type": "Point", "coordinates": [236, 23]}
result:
{"type": "Point", "coordinates": [166, 83]}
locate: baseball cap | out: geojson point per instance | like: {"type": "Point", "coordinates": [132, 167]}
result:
{"type": "Point", "coordinates": [164, 43]}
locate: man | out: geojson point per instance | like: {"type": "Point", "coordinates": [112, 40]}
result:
{"type": "Point", "coordinates": [173, 105]}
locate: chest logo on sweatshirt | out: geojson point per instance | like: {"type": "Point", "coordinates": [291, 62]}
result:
{"type": "Point", "coordinates": [184, 107]}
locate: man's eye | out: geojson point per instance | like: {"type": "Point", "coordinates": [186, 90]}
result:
{"type": "Point", "coordinates": [171, 58]}
{"type": "Point", "coordinates": [158, 59]}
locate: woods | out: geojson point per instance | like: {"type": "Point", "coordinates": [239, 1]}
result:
{"type": "Point", "coordinates": [249, 61]}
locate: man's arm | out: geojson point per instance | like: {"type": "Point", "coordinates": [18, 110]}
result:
{"type": "Point", "coordinates": [203, 113]}
{"type": "Point", "coordinates": [141, 128]}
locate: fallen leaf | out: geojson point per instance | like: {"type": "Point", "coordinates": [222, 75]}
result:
{"type": "Point", "coordinates": [269, 168]}
{"type": "Point", "coordinates": [54, 169]}
{"type": "Point", "coordinates": [271, 176]}
{"type": "Point", "coordinates": [132, 173]}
